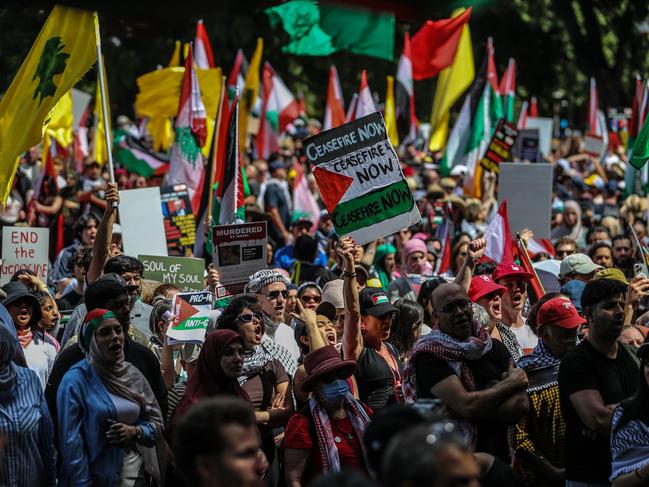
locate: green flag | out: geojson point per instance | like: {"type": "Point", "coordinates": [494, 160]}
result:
{"type": "Point", "coordinates": [640, 153]}
{"type": "Point", "coordinates": [319, 30]}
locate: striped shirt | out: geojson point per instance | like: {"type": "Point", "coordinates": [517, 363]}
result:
{"type": "Point", "coordinates": [26, 426]}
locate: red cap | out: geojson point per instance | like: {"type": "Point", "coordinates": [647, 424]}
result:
{"type": "Point", "coordinates": [511, 270]}
{"type": "Point", "coordinates": [483, 285]}
{"type": "Point", "coordinates": [560, 312]}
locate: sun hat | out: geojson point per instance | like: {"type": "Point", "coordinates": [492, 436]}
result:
{"type": "Point", "coordinates": [325, 361]}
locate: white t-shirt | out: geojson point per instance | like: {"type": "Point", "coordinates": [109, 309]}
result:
{"type": "Point", "coordinates": [525, 336]}
{"type": "Point", "coordinates": [40, 357]}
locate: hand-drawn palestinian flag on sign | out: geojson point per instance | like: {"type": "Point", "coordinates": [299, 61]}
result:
{"type": "Point", "coordinates": [360, 180]}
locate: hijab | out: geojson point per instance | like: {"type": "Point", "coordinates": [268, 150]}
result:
{"type": "Point", "coordinates": [120, 377]}
{"type": "Point", "coordinates": [571, 232]}
{"type": "Point", "coordinates": [7, 354]}
{"type": "Point", "coordinates": [209, 379]}
{"type": "Point", "coordinates": [382, 251]}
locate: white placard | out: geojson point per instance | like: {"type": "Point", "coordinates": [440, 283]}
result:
{"type": "Point", "coordinates": [528, 189]}
{"type": "Point", "coordinates": [80, 101]}
{"type": "Point", "coordinates": [143, 231]}
{"type": "Point", "coordinates": [24, 248]}
{"type": "Point", "coordinates": [544, 125]}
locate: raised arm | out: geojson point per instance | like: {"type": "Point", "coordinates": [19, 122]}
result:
{"type": "Point", "coordinates": [352, 336]}
{"type": "Point", "coordinates": [308, 316]}
{"type": "Point", "coordinates": [474, 252]}
{"type": "Point", "coordinates": [104, 235]}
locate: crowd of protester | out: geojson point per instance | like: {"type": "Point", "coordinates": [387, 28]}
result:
{"type": "Point", "coordinates": [341, 364]}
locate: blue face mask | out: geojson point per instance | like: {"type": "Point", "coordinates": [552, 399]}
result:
{"type": "Point", "coordinates": [335, 391]}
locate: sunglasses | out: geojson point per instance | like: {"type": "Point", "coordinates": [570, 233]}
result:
{"type": "Point", "coordinates": [248, 317]}
{"type": "Point", "coordinates": [311, 299]}
{"type": "Point", "coordinates": [275, 294]}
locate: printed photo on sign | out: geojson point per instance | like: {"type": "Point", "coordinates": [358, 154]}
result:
{"type": "Point", "coordinates": [190, 317]}
{"type": "Point", "coordinates": [179, 221]}
{"type": "Point", "coordinates": [360, 180]}
{"type": "Point", "coordinates": [239, 250]}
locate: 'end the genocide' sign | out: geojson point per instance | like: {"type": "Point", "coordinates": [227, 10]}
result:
{"type": "Point", "coordinates": [24, 248]}
{"type": "Point", "coordinates": [360, 180]}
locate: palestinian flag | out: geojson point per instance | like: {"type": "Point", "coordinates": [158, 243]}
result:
{"type": "Point", "coordinates": [508, 90]}
{"type": "Point", "coordinates": [202, 48]}
{"type": "Point", "coordinates": [279, 108]}
{"type": "Point", "coordinates": [237, 78]}
{"type": "Point", "coordinates": [229, 205]}
{"type": "Point", "coordinates": [136, 158]}
{"type": "Point", "coordinates": [488, 111]}
{"type": "Point", "coordinates": [365, 104]}
{"type": "Point", "coordinates": [405, 96]}
{"type": "Point", "coordinates": [522, 116]}
{"type": "Point", "coordinates": [186, 165]}
{"type": "Point", "coordinates": [335, 108]}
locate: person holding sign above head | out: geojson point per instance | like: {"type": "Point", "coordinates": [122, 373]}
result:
{"type": "Point", "coordinates": [110, 424]}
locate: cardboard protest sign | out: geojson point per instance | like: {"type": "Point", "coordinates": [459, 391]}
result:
{"type": "Point", "coordinates": [179, 221]}
{"type": "Point", "coordinates": [140, 212]}
{"type": "Point", "coordinates": [185, 272]}
{"type": "Point", "coordinates": [594, 145]}
{"type": "Point", "coordinates": [239, 251]}
{"type": "Point", "coordinates": [527, 146]}
{"type": "Point", "coordinates": [500, 148]}
{"type": "Point", "coordinates": [528, 190]}
{"type": "Point", "coordinates": [191, 317]}
{"type": "Point", "coordinates": [24, 248]}
{"type": "Point", "coordinates": [545, 126]}
{"type": "Point", "coordinates": [360, 180]}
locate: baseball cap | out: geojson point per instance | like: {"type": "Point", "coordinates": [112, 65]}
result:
{"type": "Point", "coordinates": [326, 309]}
{"type": "Point", "coordinates": [332, 292]}
{"type": "Point", "coordinates": [375, 302]}
{"type": "Point", "coordinates": [301, 218]}
{"type": "Point", "coordinates": [612, 273]}
{"type": "Point", "coordinates": [117, 279]}
{"type": "Point", "coordinates": [482, 286]}
{"type": "Point", "coordinates": [578, 264]}
{"type": "Point", "coordinates": [511, 270]}
{"type": "Point", "coordinates": [560, 312]}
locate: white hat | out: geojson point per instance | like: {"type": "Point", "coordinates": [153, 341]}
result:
{"type": "Point", "coordinates": [459, 170]}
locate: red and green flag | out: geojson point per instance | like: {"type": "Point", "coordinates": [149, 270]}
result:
{"type": "Point", "coordinates": [508, 90]}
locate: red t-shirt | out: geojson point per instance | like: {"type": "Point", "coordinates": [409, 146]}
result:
{"type": "Point", "coordinates": [298, 436]}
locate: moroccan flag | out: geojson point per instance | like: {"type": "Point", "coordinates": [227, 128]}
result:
{"type": "Point", "coordinates": [405, 96]}
{"type": "Point", "coordinates": [237, 78]}
{"type": "Point", "coordinates": [229, 205]}
{"type": "Point", "coordinates": [508, 90]}
{"type": "Point", "coordinates": [522, 116]}
{"type": "Point", "coordinates": [202, 48]}
{"type": "Point", "coordinates": [351, 109]}
{"type": "Point", "coordinates": [534, 107]}
{"type": "Point", "coordinates": [335, 107]}
{"type": "Point", "coordinates": [451, 83]}
{"type": "Point", "coordinates": [365, 104]}
{"type": "Point", "coordinates": [593, 108]}
{"type": "Point", "coordinates": [317, 29]}
{"type": "Point", "coordinates": [499, 238]}
{"type": "Point", "coordinates": [634, 123]}
{"type": "Point", "coordinates": [186, 165]}
{"type": "Point", "coordinates": [435, 44]}
{"type": "Point", "coordinates": [488, 112]}
{"type": "Point", "coordinates": [279, 108]}
{"type": "Point", "coordinates": [250, 93]}
{"type": "Point", "coordinates": [389, 113]}
{"type": "Point", "coordinates": [137, 158]}
{"type": "Point", "coordinates": [99, 149]}
{"type": "Point", "coordinates": [63, 51]}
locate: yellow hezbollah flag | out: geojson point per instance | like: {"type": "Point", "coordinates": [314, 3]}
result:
{"type": "Point", "coordinates": [175, 57]}
{"type": "Point", "coordinates": [99, 152]}
{"type": "Point", "coordinates": [161, 132]}
{"type": "Point", "coordinates": [60, 121]}
{"type": "Point", "coordinates": [390, 113]}
{"type": "Point", "coordinates": [62, 53]}
{"type": "Point", "coordinates": [451, 83]}
{"type": "Point", "coordinates": [250, 93]}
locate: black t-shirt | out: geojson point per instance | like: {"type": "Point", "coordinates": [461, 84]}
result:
{"type": "Point", "coordinates": [588, 456]}
{"type": "Point", "coordinates": [491, 435]}
{"type": "Point", "coordinates": [69, 300]}
{"type": "Point", "coordinates": [140, 356]}
{"type": "Point", "coordinates": [375, 379]}
{"type": "Point", "coordinates": [274, 197]}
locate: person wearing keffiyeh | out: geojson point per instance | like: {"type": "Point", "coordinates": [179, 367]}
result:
{"type": "Point", "coordinates": [538, 439]}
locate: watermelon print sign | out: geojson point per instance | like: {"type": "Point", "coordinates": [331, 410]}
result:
{"type": "Point", "coordinates": [191, 317]}
{"type": "Point", "coordinates": [360, 180]}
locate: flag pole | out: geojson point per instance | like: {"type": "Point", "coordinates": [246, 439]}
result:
{"type": "Point", "coordinates": [102, 91]}
{"type": "Point", "coordinates": [522, 245]}
{"type": "Point", "coordinates": [215, 138]}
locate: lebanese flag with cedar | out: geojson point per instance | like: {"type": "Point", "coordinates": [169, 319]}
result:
{"type": "Point", "coordinates": [334, 109]}
{"type": "Point", "coordinates": [499, 238]}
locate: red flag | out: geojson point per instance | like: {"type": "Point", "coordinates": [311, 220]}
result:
{"type": "Point", "coordinates": [334, 109]}
{"type": "Point", "coordinates": [593, 107]}
{"type": "Point", "coordinates": [435, 44]}
{"type": "Point", "coordinates": [499, 238]}
{"type": "Point", "coordinates": [202, 48]}
{"type": "Point", "coordinates": [534, 108]}
{"type": "Point", "coordinates": [508, 81]}
{"type": "Point", "coordinates": [445, 264]}
{"type": "Point", "coordinates": [526, 264]}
